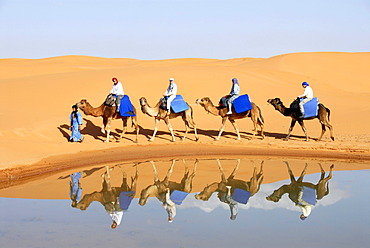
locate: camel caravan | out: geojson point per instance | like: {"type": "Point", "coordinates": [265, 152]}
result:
{"type": "Point", "coordinates": [231, 107]}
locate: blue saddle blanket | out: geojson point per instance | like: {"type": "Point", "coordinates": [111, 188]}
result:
{"type": "Point", "coordinates": [242, 104]}
{"type": "Point", "coordinates": [125, 199]}
{"type": "Point", "coordinates": [126, 109]}
{"type": "Point", "coordinates": [241, 195]}
{"type": "Point", "coordinates": [311, 108]}
{"type": "Point", "coordinates": [178, 196]}
{"type": "Point", "coordinates": [178, 104]}
{"type": "Point", "coordinates": [309, 195]}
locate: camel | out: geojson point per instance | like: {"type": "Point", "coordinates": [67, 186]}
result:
{"type": "Point", "coordinates": [161, 114]}
{"type": "Point", "coordinates": [255, 114]}
{"type": "Point", "coordinates": [252, 186]}
{"type": "Point", "coordinates": [108, 114]}
{"type": "Point", "coordinates": [108, 193]}
{"type": "Point", "coordinates": [296, 185]}
{"type": "Point", "coordinates": [159, 188]}
{"type": "Point", "coordinates": [323, 116]}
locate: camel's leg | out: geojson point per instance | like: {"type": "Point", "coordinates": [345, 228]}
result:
{"type": "Point", "coordinates": [322, 188]}
{"type": "Point", "coordinates": [124, 185]}
{"type": "Point", "coordinates": [105, 120]}
{"type": "Point", "coordinates": [155, 129]}
{"type": "Point", "coordinates": [124, 128]}
{"type": "Point", "coordinates": [291, 175]}
{"type": "Point", "coordinates": [108, 130]}
{"type": "Point", "coordinates": [323, 130]}
{"type": "Point", "coordinates": [326, 123]}
{"type": "Point", "coordinates": [254, 119]}
{"type": "Point", "coordinates": [189, 118]}
{"type": "Point", "coordinates": [186, 127]}
{"type": "Point", "coordinates": [167, 121]}
{"type": "Point", "coordinates": [106, 179]}
{"type": "Point", "coordinates": [188, 180]}
{"type": "Point", "coordinates": [137, 128]}
{"type": "Point", "coordinates": [195, 133]}
{"type": "Point", "coordinates": [223, 178]}
{"type": "Point", "coordinates": [169, 173]}
{"type": "Point", "coordinates": [290, 129]}
{"type": "Point", "coordinates": [134, 179]}
{"type": "Point", "coordinates": [303, 173]}
{"type": "Point", "coordinates": [235, 169]}
{"type": "Point", "coordinates": [236, 128]}
{"type": "Point", "coordinates": [331, 131]}
{"type": "Point", "coordinates": [303, 128]}
{"type": "Point", "coordinates": [223, 123]}
{"type": "Point", "coordinates": [156, 179]}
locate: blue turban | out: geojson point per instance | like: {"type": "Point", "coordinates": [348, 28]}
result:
{"type": "Point", "coordinates": [235, 81]}
{"type": "Point", "coordinates": [305, 83]}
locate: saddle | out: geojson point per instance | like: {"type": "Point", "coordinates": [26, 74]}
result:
{"type": "Point", "coordinates": [295, 105]}
{"type": "Point", "coordinates": [110, 100]}
{"type": "Point", "coordinates": [163, 104]}
{"type": "Point", "coordinates": [223, 102]}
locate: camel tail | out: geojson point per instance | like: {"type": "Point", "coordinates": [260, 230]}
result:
{"type": "Point", "coordinates": [328, 113]}
{"type": "Point", "coordinates": [327, 110]}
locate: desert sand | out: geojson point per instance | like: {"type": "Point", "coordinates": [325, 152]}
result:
{"type": "Point", "coordinates": [37, 94]}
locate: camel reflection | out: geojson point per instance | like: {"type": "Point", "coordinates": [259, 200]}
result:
{"type": "Point", "coordinates": [233, 191]}
{"type": "Point", "coordinates": [303, 194]}
{"type": "Point", "coordinates": [169, 193]}
{"type": "Point", "coordinates": [115, 200]}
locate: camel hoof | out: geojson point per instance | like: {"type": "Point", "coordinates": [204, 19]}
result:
{"type": "Point", "coordinates": [238, 138]}
{"type": "Point", "coordinates": [196, 139]}
{"type": "Point", "coordinates": [150, 140]}
{"type": "Point", "coordinates": [286, 139]}
{"type": "Point", "coordinates": [173, 140]}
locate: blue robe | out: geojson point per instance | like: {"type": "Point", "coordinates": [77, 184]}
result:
{"type": "Point", "coordinates": [75, 190]}
{"type": "Point", "coordinates": [75, 122]}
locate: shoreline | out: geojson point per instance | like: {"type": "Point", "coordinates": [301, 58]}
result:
{"type": "Point", "coordinates": [57, 163]}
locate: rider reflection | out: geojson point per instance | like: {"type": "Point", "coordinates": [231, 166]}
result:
{"type": "Point", "coordinates": [169, 193]}
{"type": "Point", "coordinates": [303, 194]}
{"type": "Point", "coordinates": [115, 200]}
{"type": "Point", "coordinates": [233, 191]}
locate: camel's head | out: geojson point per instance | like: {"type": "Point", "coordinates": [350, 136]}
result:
{"type": "Point", "coordinates": [143, 101]}
{"type": "Point", "coordinates": [82, 104]}
{"type": "Point", "coordinates": [81, 206]}
{"type": "Point", "coordinates": [275, 102]}
{"type": "Point", "coordinates": [204, 196]}
{"type": "Point", "coordinates": [203, 101]}
{"type": "Point", "coordinates": [273, 198]}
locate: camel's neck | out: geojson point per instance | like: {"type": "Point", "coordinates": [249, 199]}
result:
{"type": "Point", "coordinates": [284, 110]}
{"type": "Point", "coordinates": [96, 112]}
{"type": "Point", "coordinates": [152, 112]}
{"type": "Point", "coordinates": [210, 108]}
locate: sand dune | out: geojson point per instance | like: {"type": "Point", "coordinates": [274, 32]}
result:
{"type": "Point", "coordinates": [36, 96]}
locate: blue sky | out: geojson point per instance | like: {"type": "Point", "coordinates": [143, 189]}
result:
{"type": "Point", "coordinates": [163, 29]}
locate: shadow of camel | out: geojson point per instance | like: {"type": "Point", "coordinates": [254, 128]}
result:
{"type": "Point", "coordinates": [149, 132]}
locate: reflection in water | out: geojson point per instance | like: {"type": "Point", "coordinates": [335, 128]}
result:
{"type": "Point", "coordinates": [233, 191]}
{"type": "Point", "coordinates": [115, 200]}
{"type": "Point", "coordinates": [169, 192]}
{"type": "Point", "coordinates": [303, 194]}
{"type": "Point", "coordinates": [230, 191]}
